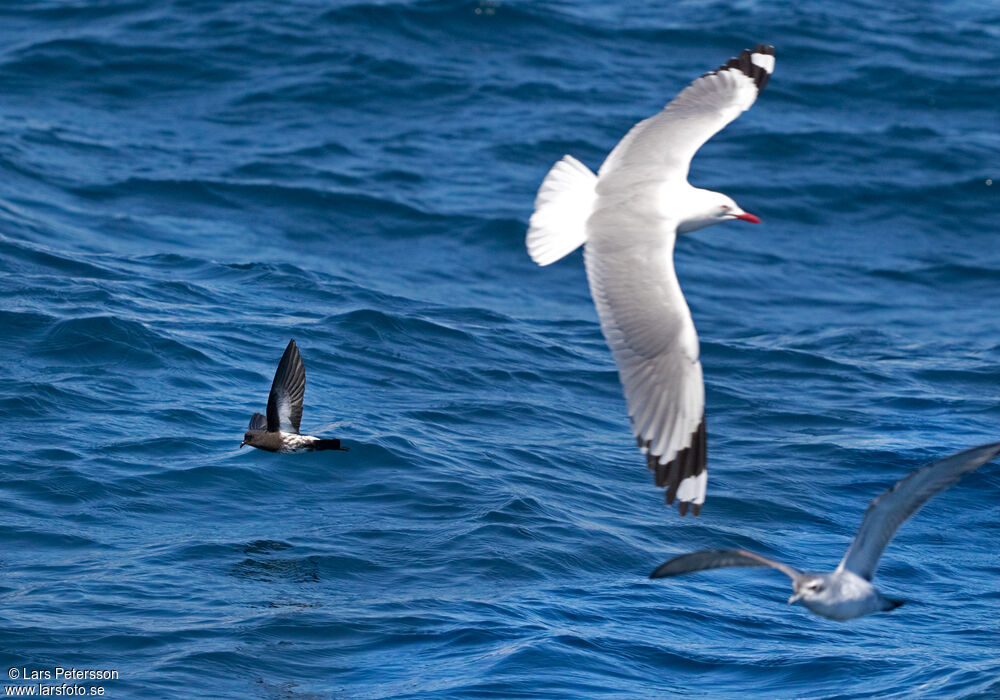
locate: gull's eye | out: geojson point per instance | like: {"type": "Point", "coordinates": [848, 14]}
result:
{"type": "Point", "coordinates": [724, 207]}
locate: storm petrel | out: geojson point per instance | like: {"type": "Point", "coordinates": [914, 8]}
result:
{"type": "Point", "coordinates": [279, 431]}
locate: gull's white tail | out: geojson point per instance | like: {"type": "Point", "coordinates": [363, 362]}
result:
{"type": "Point", "coordinates": [564, 203]}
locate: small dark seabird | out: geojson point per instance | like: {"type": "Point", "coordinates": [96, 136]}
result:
{"type": "Point", "coordinates": [279, 431]}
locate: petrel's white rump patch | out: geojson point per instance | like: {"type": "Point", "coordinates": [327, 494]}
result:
{"type": "Point", "coordinates": [763, 60]}
{"type": "Point", "coordinates": [294, 442]}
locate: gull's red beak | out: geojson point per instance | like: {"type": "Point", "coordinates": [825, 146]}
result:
{"type": "Point", "coordinates": [747, 217]}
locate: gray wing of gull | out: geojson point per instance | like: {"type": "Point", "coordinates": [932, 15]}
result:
{"type": "Point", "coordinates": [718, 559]}
{"type": "Point", "coordinates": [284, 404]}
{"type": "Point", "coordinates": [891, 508]}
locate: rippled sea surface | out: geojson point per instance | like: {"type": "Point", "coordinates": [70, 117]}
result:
{"type": "Point", "coordinates": [187, 184]}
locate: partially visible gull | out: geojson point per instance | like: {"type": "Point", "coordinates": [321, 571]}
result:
{"type": "Point", "coordinates": [847, 592]}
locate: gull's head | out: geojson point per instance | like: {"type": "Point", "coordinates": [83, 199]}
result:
{"type": "Point", "coordinates": [706, 208]}
{"type": "Point", "coordinates": [809, 588]}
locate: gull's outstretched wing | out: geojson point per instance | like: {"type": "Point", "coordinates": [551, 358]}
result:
{"type": "Point", "coordinates": [629, 256]}
{"type": "Point", "coordinates": [718, 559]}
{"type": "Point", "coordinates": [284, 404]}
{"type": "Point", "coordinates": [656, 149]}
{"type": "Point", "coordinates": [648, 327]}
{"type": "Point", "coordinates": [662, 146]}
{"type": "Point", "coordinates": [623, 218]}
{"type": "Point", "coordinates": [891, 508]}
{"type": "Point", "coordinates": [258, 422]}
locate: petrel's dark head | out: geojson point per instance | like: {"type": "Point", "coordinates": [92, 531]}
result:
{"type": "Point", "coordinates": [250, 437]}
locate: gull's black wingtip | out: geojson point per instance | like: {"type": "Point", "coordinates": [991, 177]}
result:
{"type": "Point", "coordinates": [756, 64]}
{"type": "Point", "coordinates": [689, 462]}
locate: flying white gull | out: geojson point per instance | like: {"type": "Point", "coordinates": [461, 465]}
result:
{"type": "Point", "coordinates": [847, 592]}
{"type": "Point", "coordinates": [629, 215]}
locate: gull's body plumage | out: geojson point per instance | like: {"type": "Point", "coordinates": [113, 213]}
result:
{"type": "Point", "coordinates": [628, 217]}
{"type": "Point", "coordinates": [847, 592]}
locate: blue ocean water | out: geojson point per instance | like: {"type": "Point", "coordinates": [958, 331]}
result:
{"type": "Point", "coordinates": [187, 184]}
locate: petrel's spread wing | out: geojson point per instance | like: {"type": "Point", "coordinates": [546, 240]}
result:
{"type": "Point", "coordinates": [258, 422]}
{"type": "Point", "coordinates": [890, 509]}
{"type": "Point", "coordinates": [717, 559]}
{"type": "Point", "coordinates": [662, 146]}
{"type": "Point", "coordinates": [284, 404]}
